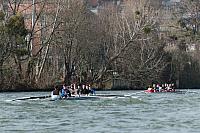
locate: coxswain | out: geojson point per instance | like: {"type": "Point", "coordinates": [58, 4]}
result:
{"type": "Point", "coordinates": [150, 90]}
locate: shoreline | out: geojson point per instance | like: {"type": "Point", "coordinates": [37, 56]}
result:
{"type": "Point", "coordinates": [51, 89]}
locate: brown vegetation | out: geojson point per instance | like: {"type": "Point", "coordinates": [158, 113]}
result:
{"type": "Point", "coordinates": [63, 41]}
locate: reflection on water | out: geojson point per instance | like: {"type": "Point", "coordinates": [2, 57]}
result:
{"type": "Point", "coordinates": [144, 113]}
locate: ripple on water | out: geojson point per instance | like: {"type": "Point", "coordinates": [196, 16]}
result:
{"type": "Point", "coordinates": [145, 113]}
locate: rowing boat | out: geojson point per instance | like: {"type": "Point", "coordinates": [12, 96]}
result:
{"type": "Point", "coordinates": [89, 97]}
{"type": "Point", "coordinates": [73, 97]}
{"type": "Point", "coordinates": [175, 91]}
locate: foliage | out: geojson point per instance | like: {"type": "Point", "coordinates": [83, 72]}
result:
{"type": "Point", "coordinates": [15, 25]}
{"type": "Point", "coordinates": [147, 29]}
{"type": "Point", "coordinates": [21, 52]}
{"type": "Point", "coordinates": [181, 23]}
{"type": "Point", "coordinates": [137, 12]}
{"type": "Point", "coordinates": [78, 46]}
{"type": "Point", "coordinates": [2, 15]}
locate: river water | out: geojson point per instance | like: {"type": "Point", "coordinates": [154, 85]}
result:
{"type": "Point", "coordinates": [143, 113]}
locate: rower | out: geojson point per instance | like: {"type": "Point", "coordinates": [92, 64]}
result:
{"type": "Point", "coordinates": [56, 90]}
{"type": "Point", "coordinates": [154, 88]}
{"type": "Point", "coordinates": [73, 91]}
{"type": "Point", "coordinates": [68, 92]}
{"type": "Point", "coordinates": [65, 92]}
{"type": "Point", "coordinates": [55, 93]}
{"type": "Point", "coordinates": [157, 88]}
{"type": "Point", "coordinates": [79, 90]}
{"type": "Point", "coordinates": [84, 90]}
{"type": "Point", "coordinates": [163, 87]}
{"type": "Point", "coordinates": [173, 87]}
{"type": "Point", "coordinates": [91, 90]}
{"type": "Point", "coordinates": [87, 91]}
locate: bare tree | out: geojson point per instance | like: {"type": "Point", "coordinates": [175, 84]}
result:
{"type": "Point", "coordinates": [184, 35]}
{"type": "Point", "coordinates": [123, 30]}
{"type": "Point", "coordinates": [5, 46]}
{"type": "Point", "coordinates": [71, 37]}
{"type": "Point", "coordinates": [25, 34]}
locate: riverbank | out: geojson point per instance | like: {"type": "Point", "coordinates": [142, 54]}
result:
{"type": "Point", "coordinates": [47, 89]}
{"type": "Point", "coordinates": [35, 88]}
{"type": "Point", "coordinates": [25, 88]}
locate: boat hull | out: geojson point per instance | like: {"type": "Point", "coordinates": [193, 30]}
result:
{"type": "Point", "coordinates": [55, 97]}
{"type": "Point", "coordinates": [178, 92]}
{"type": "Point", "coordinates": [81, 98]}
{"type": "Point", "coordinates": [90, 97]}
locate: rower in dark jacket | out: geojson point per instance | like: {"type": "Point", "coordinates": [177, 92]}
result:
{"type": "Point", "coordinates": [56, 90]}
{"type": "Point", "coordinates": [65, 92]}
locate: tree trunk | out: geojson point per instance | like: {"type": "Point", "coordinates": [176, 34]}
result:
{"type": "Point", "coordinates": [1, 74]}
{"type": "Point", "coordinates": [19, 67]}
{"type": "Point", "coordinates": [48, 45]}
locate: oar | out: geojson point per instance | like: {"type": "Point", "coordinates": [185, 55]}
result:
{"type": "Point", "coordinates": [32, 97]}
